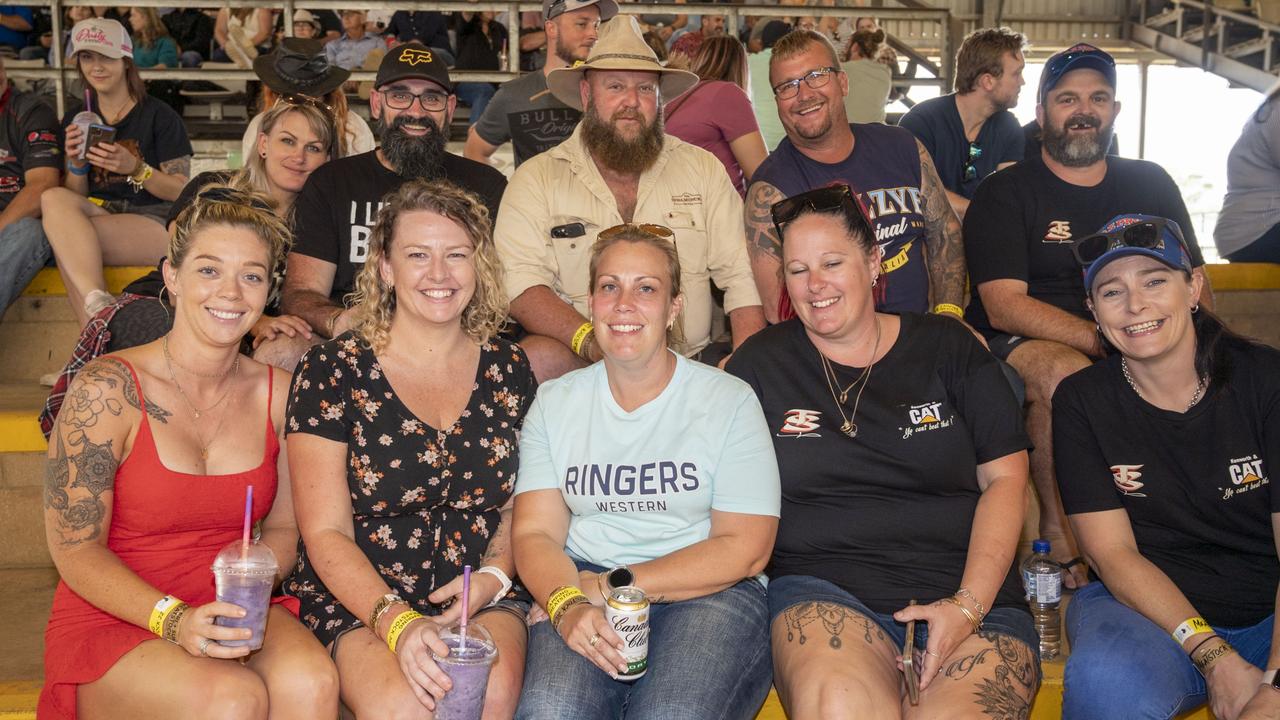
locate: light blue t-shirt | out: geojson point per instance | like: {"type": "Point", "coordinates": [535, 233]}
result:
{"type": "Point", "coordinates": [642, 484]}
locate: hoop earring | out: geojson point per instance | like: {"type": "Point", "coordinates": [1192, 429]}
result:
{"type": "Point", "coordinates": [165, 306]}
{"type": "Point", "coordinates": [1195, 308]}
{"type": "Point", "coordinates": [875, 280]}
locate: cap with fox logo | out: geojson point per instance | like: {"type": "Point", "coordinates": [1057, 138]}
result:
{"type": "Point", "coordinates": [413, 61]}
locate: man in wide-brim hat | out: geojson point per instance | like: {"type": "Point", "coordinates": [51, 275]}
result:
{"type": "Point", "coordinates": [619, 166]}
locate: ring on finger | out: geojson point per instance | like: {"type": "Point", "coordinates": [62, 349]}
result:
{"type": "Point", "coordinates": [594, 639]}
{"type": "Point", "coordinates": [204, 647]}
{"type": "Point", "coordinates": [930, 652]}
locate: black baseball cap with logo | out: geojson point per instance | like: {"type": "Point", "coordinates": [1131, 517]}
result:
{"type": "Point", "coordinates": [413, 61]}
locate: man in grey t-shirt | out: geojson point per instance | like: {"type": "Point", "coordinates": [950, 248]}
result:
{"type": "Point", "coordinates": [524, 111]}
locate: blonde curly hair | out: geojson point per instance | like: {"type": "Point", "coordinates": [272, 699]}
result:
{"type": "Point", "coordinates": [374, 301]}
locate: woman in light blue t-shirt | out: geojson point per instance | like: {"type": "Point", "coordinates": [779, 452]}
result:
{"type": "Point", "coordinates": [653, 470]}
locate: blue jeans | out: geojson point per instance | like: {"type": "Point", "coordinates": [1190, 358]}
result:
{"type": "Point", "coordinates": [24, 249]}
{"type": "Point", "coordinates": [1120, 659]}
{"type": "Point", "coordinates": [477, 96]}
{"type": "Point", "coordinates": [708, 658]}
{"type": "Point", "coordinates": [1265, 249]}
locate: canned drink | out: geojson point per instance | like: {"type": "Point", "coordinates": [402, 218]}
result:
{"type": "Point", "coordinates": [627, 610]}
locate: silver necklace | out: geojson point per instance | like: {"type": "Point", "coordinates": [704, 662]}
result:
{"type": "Point", "coordinates": [849, 427]}
{"type": "Point", "coordinates": [1195, 397]}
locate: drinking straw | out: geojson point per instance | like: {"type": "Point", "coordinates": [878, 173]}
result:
{"type": "Point", "coordinates": [466, 596]}
{"type": "Point", "coordinates": [87, 97]}
{"type": "Point", "coordinates": [248, 521]}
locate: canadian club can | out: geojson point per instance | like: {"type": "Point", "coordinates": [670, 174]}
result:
{"type": "Point", "coordinates": [627, 610]}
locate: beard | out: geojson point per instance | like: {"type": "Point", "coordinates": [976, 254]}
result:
{"type": "Point", "coordinates": [566, 55]}
{"type": "Point", "coordinates": [413, 156]}
{"type": "Point", "coordinates": [818, 132]}
{"type": "Point", "coordinates": [617, 153]}
{"type": "Point", "coordinates": [1078, 150]}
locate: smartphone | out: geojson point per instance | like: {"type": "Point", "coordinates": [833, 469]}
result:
{"type": "Point", "coordinates": [99, 134]}
{"type": "Point", "coordinates": [910, 672]}
{"type": "Point", "coordinates": [569, 230]}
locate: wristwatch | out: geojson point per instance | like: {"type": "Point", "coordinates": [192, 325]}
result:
{"type": "Point", "coordinates": [620, 576]}
{"type": "Point", "coordinates": [1270, 679]}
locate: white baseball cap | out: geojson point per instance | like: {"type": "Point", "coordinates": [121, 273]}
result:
{"type": "Point", "coordinates": [103, 36]}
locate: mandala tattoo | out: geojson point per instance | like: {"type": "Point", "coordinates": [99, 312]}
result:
{"type": "Point", "coordinates": [833, 618]}
{"type": "Point", "coordinates": [1007, 694]}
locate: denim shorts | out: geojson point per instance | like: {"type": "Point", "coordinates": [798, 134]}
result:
{"type": "Point", "coordinates": [789, 590]}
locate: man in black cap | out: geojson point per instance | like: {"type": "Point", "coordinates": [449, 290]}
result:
{"type": "Point", "coordinates": [1027, 287]}
{"type": "Point", "coordinates": [413, 103]}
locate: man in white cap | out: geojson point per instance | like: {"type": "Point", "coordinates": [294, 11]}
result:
{"type": "Point", "coordinates": [524, 111]}
{"type": "Point", "coordinates": [619, 166]}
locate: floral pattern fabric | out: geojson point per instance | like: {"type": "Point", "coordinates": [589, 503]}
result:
{"type": "Point", "coordinates": [426, 500]}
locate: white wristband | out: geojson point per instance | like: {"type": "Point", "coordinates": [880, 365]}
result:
{"type": "Point", "coordinates": [502, 578]}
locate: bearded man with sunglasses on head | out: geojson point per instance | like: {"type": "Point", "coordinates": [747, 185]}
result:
{"type": "Point", "coordinates": [413, 103]}
{"type": "Point", "coordinates": [1027, 287]}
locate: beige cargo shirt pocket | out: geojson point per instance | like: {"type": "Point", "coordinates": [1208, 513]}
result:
{"type": "Point", "coordinates": [690, 228]}
{"type": "Point", "coordinates": [573, 258]}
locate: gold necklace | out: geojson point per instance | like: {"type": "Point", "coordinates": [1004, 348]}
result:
{"type": "Point", "coordinates": [849, 427]}
{"type": "Point", "coordinates": [204, 445]}
{"type": "Point", "coordinates": [213, 376]}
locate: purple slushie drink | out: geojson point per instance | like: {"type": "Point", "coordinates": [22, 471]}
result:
{"type": "Point", "coordinates": [83, 120]}
{"type": "Point", "coordinates": [468, 667]}
{"type": "Point", "coordinates": [245, 578]}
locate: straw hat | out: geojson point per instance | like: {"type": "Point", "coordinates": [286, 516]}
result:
{"type": "Point", "coordinates": [621, 46]}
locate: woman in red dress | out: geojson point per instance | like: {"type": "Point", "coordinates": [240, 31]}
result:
{"type": "Point", "coordinates": [148, 466]}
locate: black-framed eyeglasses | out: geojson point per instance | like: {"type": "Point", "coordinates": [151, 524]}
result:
{"type": "Point", "coordinates": [835, 197]}
{"type": "Point", "coordinates": [1147, 235]}
{"type": "Point", "coordinates": [814, 79]}
{"type": "Point", "coordinates": [296, 100]}
{"type": "Point", "coordinates": [970, 164]}
{"type": "Point", "coordinates": [431, 100]}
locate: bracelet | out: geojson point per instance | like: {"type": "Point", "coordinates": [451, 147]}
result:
{"type": "Point", "coordinates": [172, 622]}
{"type": "Point", "coordinates": [1201, 644]}
{"type": "Point", "coordinates": [164, 606]}
{"type": "Point", "coordinates": [1190, 627]}
{"type": "Point", "coordinates": [559, 596]}
{"type": "Point", "coordinates": [398, 625]}
{"type": "Point", "coordinates": [564, 610]}
{"type": "Point", "coordinates": [977, 604]}
{"type": "Point", "coordinates": [381, 607]}
{"type": "Point", "coordinates": [973, 620]}
{"type": "Point", "coordinates": [502, 578]}
{"type": "Point", "coordinates": [84, 170]}
{"type": "Point", "coordinates": [140, 176]}
{"type": "Point", "coordinates": [948, 309]}
{"type": "Point", "coordinates": [1211, 656]}
{"type": "Point", "coordinates": [580, 337]}
{"type": "Point", "coordinates": [332, 321]}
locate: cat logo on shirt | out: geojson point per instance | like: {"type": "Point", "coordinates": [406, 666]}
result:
{"type": "Point", "coordinates": [800, 423]}
{"type": "Point", "coordinates": [413, 56]}
{"type": "Point", "coordinates": [1126, 479]}
{"type": "Point", "coordinates": [1244, 471]}
{"type": "Point", "coordinates": [925, 414]}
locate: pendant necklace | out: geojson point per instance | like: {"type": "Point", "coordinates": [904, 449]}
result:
{"type": "Point", "coordinates": [196, 412]}
{"type": "Point", "coordinates": [849, 427]}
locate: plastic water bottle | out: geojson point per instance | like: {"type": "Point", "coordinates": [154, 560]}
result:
{"type": "Point", "coordinates": [1042, 578]}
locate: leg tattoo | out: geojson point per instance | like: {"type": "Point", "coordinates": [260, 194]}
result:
{"type": "Point", "coordinates": [833, 618]}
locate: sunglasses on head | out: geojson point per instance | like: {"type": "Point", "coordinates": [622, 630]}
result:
{"type": "Point", "coordinates": [1147, 235]}
{"type": "Point", "coordinates": [659, 231]}
{"type": "Point", "coordinates": [295, 100]}
{"type": "Point", "coordinates": [836, 197]}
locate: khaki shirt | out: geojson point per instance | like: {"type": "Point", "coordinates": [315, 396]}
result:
{"type": "Point", "coordinates": [686, 190]}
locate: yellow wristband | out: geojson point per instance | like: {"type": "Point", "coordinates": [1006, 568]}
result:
{"type": "Point", "coordinates": [1190, 627]}
{"type": "Point", "coordinates": [559, 597]}
{"type": "Point", "coordinates": [398, 625]}
{"type": "Point", "coordinates": [163, 608]}
{"type": "Point", "coordinates": [948, 309]}
{"type": "Point", "coordinates": [579, 336]}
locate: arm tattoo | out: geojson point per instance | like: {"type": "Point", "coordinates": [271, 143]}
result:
{"type": "Point", "coordinates": [944, 242]}
{"type": "Point", "coordinates": [762, 236]}
{"type": "Point", "coordinates": [1008, 676]}
{"type": "Point", "coordinates": [93, 393]}
{"type": "Point", "coordinates": [499, 551]}
{"type": "Point", "coordinates": [833, 618]}
{"type": "Point", "coordinates": [177, 166]}
{"type": "Point", "coordinates": [80, 519]}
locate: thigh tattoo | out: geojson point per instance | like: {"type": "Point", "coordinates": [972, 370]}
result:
{"type": "Point", "coordinates": [833, 618]}
{"type": "Point", "coordinates": [1007, 694]}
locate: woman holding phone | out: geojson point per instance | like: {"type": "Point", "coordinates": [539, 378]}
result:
{"type": "Point", "coordinates": [118, 190]}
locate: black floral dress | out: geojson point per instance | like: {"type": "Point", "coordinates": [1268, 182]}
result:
{"type": "Point", "coordinates": [426, 500]}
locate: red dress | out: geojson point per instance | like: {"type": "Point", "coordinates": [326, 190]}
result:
{"type": "Point", "coordinates": [167, 527]}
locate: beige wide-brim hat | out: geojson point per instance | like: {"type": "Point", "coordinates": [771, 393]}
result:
{"type": "Point", "coordinates": [621, 46]}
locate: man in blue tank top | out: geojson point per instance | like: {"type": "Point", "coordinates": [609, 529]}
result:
{"type": "Point", "coordinates": [892, 174]}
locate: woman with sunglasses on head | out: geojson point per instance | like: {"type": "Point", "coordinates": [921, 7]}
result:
{"type": "Point", "coordinates": [904, 475]}
{"type": "Point", "coordinates": [117, 193]}
{"type": "Point", "coordinates": [651, 470]}
{"type": "Point", "coordinates": [297, 73]}
{"type": "Point", "coordinates": [295, 140]}
{"type": "Point", "coordinates": [403, 436]}
{"type": "Point", "coordinates": [1163, 453]}
{"type": "Point", "coordinates": [148, 470]}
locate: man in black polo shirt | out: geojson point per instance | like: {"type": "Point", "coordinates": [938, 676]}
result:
{"type": "Point", "coordinates": [30, 163]}
{"type": "Point", "coordinates": [1028, 292]}
{"type": "Point", "coordinates": [337, 208]}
